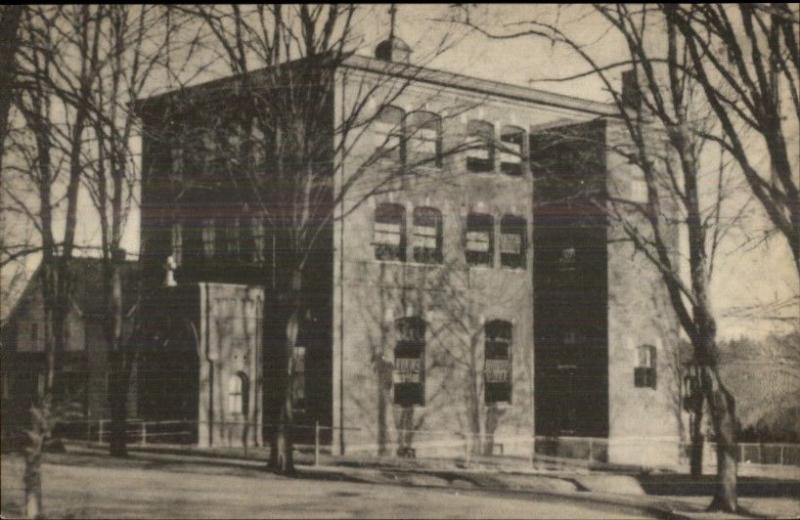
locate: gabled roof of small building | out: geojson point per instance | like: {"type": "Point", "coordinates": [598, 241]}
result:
{"type": "Point", "coordinates": [407, 72]}
{"type": "Point", "coordinates": [87, 290]}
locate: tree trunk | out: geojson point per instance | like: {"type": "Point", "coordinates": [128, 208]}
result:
{"type": "Point", "coordinates": [118, 386]}
{"type": "Point", "coordinates": [281, 445]}
{"type": "Point", "coordinates": [36, 439]}
{"type": "Point", "coordinates": [722, 408]}
{"type": "Point", "coordinates": [117, 404]}
{"type": "Point", "coordinates": [697, 438]}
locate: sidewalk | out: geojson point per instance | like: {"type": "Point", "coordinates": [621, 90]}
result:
{"type": "Point", "coordinates": [663, 494]}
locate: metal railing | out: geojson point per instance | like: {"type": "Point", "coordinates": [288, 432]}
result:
{"type": "Point", "coordinates": [464, 447]}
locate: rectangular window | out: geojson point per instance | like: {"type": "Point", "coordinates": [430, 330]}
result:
{"type": "Point", "coordinates": [427, 235]}
{"type": "Point", "coordinates": [409, 362]}
{"type": "Point", "coordinates": [480, 156]}
{"type": "Point", "coordinates": [388, 234]}
{"type": "Point", "coordinates": [511, 153]}
{"type": "Point", "coordinates": [424, 139]}
{"type": "Point", "coordinates": [388, 133]}
{"type": "Point", "coordinates": [479, 239]}
{"type": "Point", "coordinates": [513, 232]}
{"type": "Point", "coordinates": [34, 332]}
{"type": "Point", "coordinates": [644, 375]}
{"type": "Point", "coordinates": [209, 230]}
{"type": "Point", "coordinates": [177, 243]}
{"type": "Point", "coordinates": [497, 363]}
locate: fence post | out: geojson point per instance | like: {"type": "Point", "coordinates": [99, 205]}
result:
{"type": "Point", "coordinates": [316, 443]}
{"type": "Point", "coordinates": [143, 438]}
{"type": "Point", "coordinates": [100, 431]}
{"type": "Point", "coordinates": [88, 431]}
{"type": "Point", "coordinates": [533, 450]}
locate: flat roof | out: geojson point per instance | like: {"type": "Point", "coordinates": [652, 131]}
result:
{"type": "Point", "coordinates": [421, 74]}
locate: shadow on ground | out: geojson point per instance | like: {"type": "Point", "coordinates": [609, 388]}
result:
{"type": "Point", "coordinates": [685, 485]}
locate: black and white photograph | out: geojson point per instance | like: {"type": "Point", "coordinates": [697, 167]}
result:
{"type": "Point", "coordinates": [400, 261]}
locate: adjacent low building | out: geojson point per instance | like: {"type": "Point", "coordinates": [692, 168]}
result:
{"type": "Point", "coordinates": [82, 380]}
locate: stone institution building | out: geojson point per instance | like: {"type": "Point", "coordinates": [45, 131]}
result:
{"type": "Point", "coordinates": [479, 300]}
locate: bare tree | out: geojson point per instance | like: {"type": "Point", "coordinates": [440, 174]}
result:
{"type": "Point", "coordinates": [134, 41]}
{"type": "Point", "coordinates": [746, 57]}
{"type": "Point", "coordinates": [51, 93]}
{"type": "Point", "coordinates": [662, 131]}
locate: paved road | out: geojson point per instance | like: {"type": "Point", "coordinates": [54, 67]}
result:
{"type": "Point", "coordinates": [156, 489]}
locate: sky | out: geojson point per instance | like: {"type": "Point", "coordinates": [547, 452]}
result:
{"type": "Point", "coordinates": [745, 276]}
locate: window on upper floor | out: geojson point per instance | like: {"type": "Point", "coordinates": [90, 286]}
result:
{"type": "Point", "coordinates": [511, 140]}
{"type": "Point", "coordinates": [208, 236]}
{"type": "Point", "coordinates": [481, 148]}
{"type": "Point", "coordinates": [389, 232]}
{"type": "Point", "coordinates": [567, 259]}
{"type": "Point", "coordinates": [226, 237]}
{"type": "Point", "coordinates": [424, 144]}
{"type": "Point", "coordinates": [479, 247]}
{"type": "Point", "coordinates": [177, 242]}
{"type": "Point", "coordinates": [513, 233]}
{"type": "Point", "coordinates": [644, 375]}
{"type": "Point", "coordinates": [497, 362]}
{"type": "Point", "coordinates": [389, 131]}
{"type": "Point", "coordinates": [426, 238]}
{"type": "Point", "coordinates": [409, 362]}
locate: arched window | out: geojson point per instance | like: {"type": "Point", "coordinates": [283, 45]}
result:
{"type": "Point", "coordinates": [389, 232]}
{"type": "Point", "coordinates": [480, 156]}
{"type": "Point", "coordinates": [388, 133]}
{"type": "Point", "coordinates": [497, 361]}
{"type": "Point", "coordinates": [424, 130]}
{"type": "Point", "coordinates": [512, 139]}
{"type": "Point", "coordinates": [513, 234]}
{"type": "Point", "coordinates": [644, 375]}
{"type": "Point", "coordinates": [427, 235]}
{"type": "Point", "coordinates": [480, 239]}
{"type": "Point", "coordinates": [409, 362]}
{"type": "Point", "coordinates": [239, 393]}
